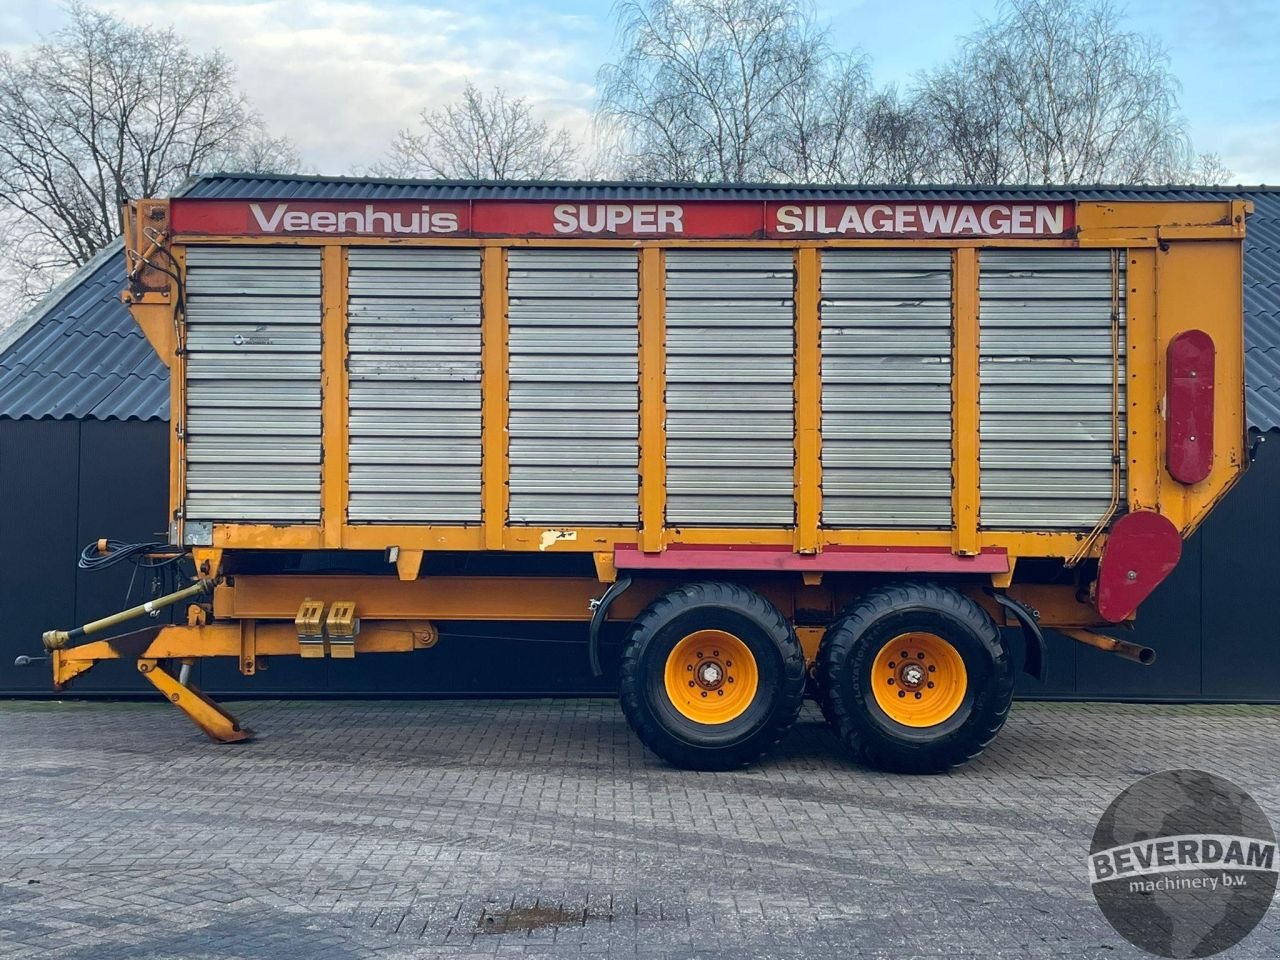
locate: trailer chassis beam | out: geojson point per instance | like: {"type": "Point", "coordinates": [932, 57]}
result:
{"type": "Point", "coordinates": [402, 621]}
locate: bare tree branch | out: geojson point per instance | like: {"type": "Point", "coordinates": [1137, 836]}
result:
{"type": "Point", "coordinates": [751, 90]}
{"type": "Point", "coordinates": [102, 112]}
{"type": "Point", "coordinates": [482, 137]}
{"type": "Point", "coordinates": [1056, 91]}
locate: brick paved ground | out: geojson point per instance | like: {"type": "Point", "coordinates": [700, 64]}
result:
{"type": "Point", "coordinates": [540, 828]}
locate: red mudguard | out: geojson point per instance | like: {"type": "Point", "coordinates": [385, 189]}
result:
{"type": "Point", "coordinates": [1142, 549]}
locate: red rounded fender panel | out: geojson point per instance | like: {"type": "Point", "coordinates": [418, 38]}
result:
{"type": "Point", "coordinates": [1142, 549]}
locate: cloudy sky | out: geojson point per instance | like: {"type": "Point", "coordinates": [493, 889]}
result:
{"type": "Point", "coordinates": [339, 77]}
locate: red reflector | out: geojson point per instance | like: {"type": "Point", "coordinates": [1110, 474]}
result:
{"type": "Point", "coordinates": [1189, 406]}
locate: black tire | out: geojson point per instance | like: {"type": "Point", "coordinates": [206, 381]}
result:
{"type": "Point", "coordinates": [770, 713]}
{"type": "Point", "coordinates": [849, 649]}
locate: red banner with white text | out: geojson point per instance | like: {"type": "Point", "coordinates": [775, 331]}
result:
{"type": "Point", "coordinates": [638, 220]}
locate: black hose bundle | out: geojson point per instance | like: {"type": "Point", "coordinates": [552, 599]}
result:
{"type": "Point", "coordinates": [107, 553]}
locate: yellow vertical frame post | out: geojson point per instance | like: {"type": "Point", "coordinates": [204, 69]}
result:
{"type": "Point", "coordinates": [808, 400]}
{"type": "Point", "coordinates": [1144, 388]}
{"type": "Point", "coordinates": [178, 409]}
{"type": "Point", "coordinates": [653, 400]}
{"type": "Point", "coordinates": [965, 409]}
{"type": "Point", "coordinates": [494, 384]}
{"type": "Point", "coordinates": [1199, 287]}
{"type": "Point", "coordinates": [334, 475]}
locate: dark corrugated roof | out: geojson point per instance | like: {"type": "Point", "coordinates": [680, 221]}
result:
{"type": "Point", "coordinates": [82, 355]}
{"type": "Point", "coordinates": [1262, 313]}
{"type": "Point", "coordinates": [242, 186]}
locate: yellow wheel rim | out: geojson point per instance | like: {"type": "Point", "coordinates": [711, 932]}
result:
{"type": "Point", "coordinates": [711, 677]}
{"type": "Point", "coordinates": [919, 679]}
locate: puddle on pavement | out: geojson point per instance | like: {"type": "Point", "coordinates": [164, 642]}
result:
{"type": "Point", "coordinates": [527, 919]}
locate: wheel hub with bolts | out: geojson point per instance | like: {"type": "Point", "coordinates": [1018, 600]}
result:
{"type": "Point", "coordinates": [912, 676]}
{"type": "Point", "coordinates": [919, 679]}
{"type": "Point", "coordinates": [711, 676]}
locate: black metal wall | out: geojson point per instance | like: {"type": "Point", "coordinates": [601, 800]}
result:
{"type": "Point", "coordinates": [1215, 622]}
{"type": "Point", "coordinates": [64, 483]}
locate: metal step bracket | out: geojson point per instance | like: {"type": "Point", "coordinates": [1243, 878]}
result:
{"type": "Point", "coordinates": [310, 624]}
{"type": "Point", "coordinates": [342, 627]}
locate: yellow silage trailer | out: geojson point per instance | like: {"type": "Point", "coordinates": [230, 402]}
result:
{"type": "Point", "coordinates": [797, 440]}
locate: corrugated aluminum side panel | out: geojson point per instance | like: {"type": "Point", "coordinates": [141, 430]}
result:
{"type": "Point", "coordinates": [1046, 370]}
{"type": "Point", "coordinates": [730, 387]}
{"type": "Point", "coordinates": [253, 384]}
{"type": "Point", "coordinates": [413, 345]}
{"type": "Point", "coordinates": [574, 368]}
{"type": "Point", "coordinates": [886, 388]}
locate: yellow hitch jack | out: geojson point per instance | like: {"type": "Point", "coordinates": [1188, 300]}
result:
{"type": "Point", "coordinates": [218, 725]}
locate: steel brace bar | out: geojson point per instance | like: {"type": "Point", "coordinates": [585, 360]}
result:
{"type": "Point", "coordinates": [218, 725]}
